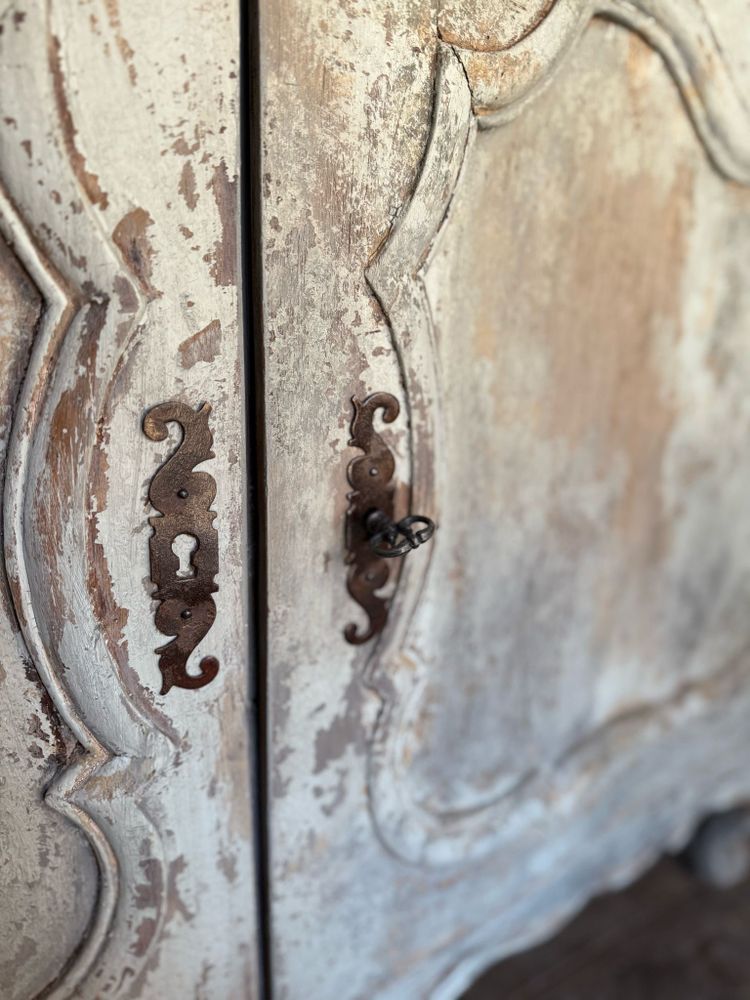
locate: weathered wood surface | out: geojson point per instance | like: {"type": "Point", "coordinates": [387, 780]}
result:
{"type": "Point", "coordinates": [48, 873]}
{"type": "Point", "coordinates": [119, 290]}
{"type": "Point", "coordinates": [531, 224]}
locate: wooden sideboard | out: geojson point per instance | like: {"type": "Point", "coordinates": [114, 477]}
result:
{"type": "Point", "coordinates": [262, 272]}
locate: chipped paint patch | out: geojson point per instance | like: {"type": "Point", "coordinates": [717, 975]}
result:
{"type": "Point", "coordinates": [89, 181]}
{"type": "Point", "coordinates": [130, 236]}
{"type": "Point", "coordinates": [223, 258]}
{"type": "Point", "coordinates": [187, 186]}
{"type": "Point", "coordinates": [205, 345]}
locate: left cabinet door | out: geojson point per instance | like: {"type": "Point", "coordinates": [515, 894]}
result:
{"type": "Point", "coordinates": [126, 742]}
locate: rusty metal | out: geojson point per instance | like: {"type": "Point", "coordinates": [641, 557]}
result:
{"type": "Point", "coordinates": [382, 529]}
{"type": "Point", "coordinates": [183, 497]}
{"type": "Point", "coordinates": [371, 533]}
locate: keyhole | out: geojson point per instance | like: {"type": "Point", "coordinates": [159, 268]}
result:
{"type": "Point", "coordinates": [184, 547]}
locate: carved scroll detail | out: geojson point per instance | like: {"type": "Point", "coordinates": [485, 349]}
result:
{"type": "Point", "coordinates": [184, 497]}
{"type": "Point", "coordinates": [370, 476]}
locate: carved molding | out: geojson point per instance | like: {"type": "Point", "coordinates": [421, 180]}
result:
{"type": "Point", "coordinates": [134, 313]}
{"type": "Point", "coordinates": [183, 498]}
{"type": "Point", "coordinates": [504, 81]}
{"type": "Point", "coordinates": [75, 310]}
{"type": "Point", "coordinates": [485, 90]}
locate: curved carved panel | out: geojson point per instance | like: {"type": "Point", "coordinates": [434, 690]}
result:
{"type": "Point", "coordinates": [505, 77]}
{"type": "Point", "coordinates": [134, 310]}
{"type": "Point", "coordinates": [549, 518]}
{"type": "Point", "coordinates": [25, 590]}
{"type": "Point", "coordinates": [47, 869]}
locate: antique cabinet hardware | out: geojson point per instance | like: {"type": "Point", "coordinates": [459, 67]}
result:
{"type": "Point", "coordinates": [183, 497]}
{"type": "Point", "coordinates": [382, 529]}
{"type": "Point", "coordinates": [372, 536]}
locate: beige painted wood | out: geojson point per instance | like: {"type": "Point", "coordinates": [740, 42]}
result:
{"type": "Point", "coordinates": [531, 222]}
{"type": "Point", "coordinates": [48, 870]}
{"type": "Point", "coordinates": [127, 843]}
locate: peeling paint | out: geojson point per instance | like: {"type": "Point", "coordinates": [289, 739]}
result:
{"type": "Point", "coordinates": [205, 345]}
{"type": "Point", "coordinates": [89, 181]}
{"type": "Point", "coordinates": [131, 237]}
{"type": "Point", "coordinates": [223, 259]}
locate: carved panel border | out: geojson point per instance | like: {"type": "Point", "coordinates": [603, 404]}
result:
{"type": "Point", "coordinates": [109, 827]}
{"type": "Point", "coordinates": [464, 103]}
{"type": "Point", "coordinates": [67, 793]}
{"type": "Point", "coordinates": [75, 504]}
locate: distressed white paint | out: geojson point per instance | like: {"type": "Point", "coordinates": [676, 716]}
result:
{"type": "Point", "coordinates": [119, 156]}
{"type": "Point", "coordinates": [434, 805]}
{"type": "Point", "coordinates": [452, 793]}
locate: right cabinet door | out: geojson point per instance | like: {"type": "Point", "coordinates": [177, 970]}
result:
{"type": "Point", "coordinates": [530, 223]}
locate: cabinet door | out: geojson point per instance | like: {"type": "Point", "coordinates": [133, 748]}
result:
{"type": "Point", "coordinates": [125, 855]}
{"type": "Point", "coordinates": [530, 224]}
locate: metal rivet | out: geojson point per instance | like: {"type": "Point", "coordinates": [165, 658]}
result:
{"type": "Point", "coordinates": [183, 493]}
{"type": "Point", "coordinates": [187, 613]}
{"type": "Point", "coordinates": [373, 471]}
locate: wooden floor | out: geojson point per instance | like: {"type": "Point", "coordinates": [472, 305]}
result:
{"type": "Point", "coordinates": [668, 937]}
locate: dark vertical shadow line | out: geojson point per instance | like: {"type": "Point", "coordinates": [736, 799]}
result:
{"type": "Point", "coordinates": [251, 264]}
